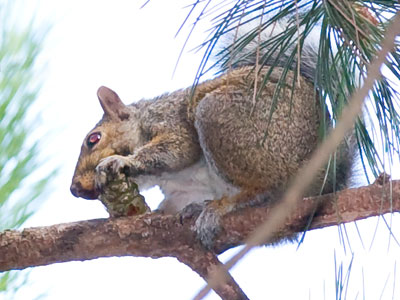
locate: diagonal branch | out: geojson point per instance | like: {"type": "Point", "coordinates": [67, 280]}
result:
{"type": "Point", "coordinates": [205, 263]}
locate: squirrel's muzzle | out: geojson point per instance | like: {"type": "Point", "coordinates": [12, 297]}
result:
{"type": "Point", "coordinates": [79, 191]}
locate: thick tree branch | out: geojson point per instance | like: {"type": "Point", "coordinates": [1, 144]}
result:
{"type": "Point", "coordinates": [155, 235]}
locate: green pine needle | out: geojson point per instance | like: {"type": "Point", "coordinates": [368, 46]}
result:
{"type": "Point", "coordinates": [350, 35]}
{"type": "Point", "coordinates": [21, 190]}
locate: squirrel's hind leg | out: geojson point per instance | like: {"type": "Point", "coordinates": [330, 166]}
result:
{"type": "Point", "coordinates": [229, 138]}
{"type": "Point", "coordinates": [255, 145]}
{"type": "Point", "coordinates": [208, 225]}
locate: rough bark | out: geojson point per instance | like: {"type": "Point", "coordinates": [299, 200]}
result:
{"type": "Point", "coordinates": [156, 235]}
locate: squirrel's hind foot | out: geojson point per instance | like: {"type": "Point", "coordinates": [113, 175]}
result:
{"type": "Point", "coordinates": [209, 213]}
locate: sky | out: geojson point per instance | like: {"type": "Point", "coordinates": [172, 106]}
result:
{"type": "Point", "coordinates": [134, 51]}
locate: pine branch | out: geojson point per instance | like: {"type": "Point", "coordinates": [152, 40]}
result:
{"type": "Point", "coordinates": [350, 34]}
{"type": "Point", "coordinates": [156, 235]}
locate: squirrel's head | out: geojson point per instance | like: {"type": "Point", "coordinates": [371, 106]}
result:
{"type": "Point", "coordinates": [117, 133]}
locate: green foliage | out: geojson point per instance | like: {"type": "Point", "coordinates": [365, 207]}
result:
{"type": "Point", "coordinates": [342, 279]}
{"type": "Point", "coordinates": [350, 35]}
{"type": "Point", "coordinates": [22, 182]}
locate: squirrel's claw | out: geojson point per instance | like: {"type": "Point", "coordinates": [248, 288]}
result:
{"type": "Point", "coordinates": [114, 164]}
{"type": "Point", "coordinates": [207, 224]}
{"type": "Point", "coordinates": [192, 210]}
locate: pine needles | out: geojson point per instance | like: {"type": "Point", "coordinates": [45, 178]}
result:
{"type": "Point", "coordinates": [21, 188]}
{"type": "Point", "coordinates": [350, 33]}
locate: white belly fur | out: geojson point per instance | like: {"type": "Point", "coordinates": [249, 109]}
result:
{"type": "Point", "coordinates": [193, 184]}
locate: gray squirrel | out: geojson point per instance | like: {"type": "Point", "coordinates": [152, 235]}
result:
{"type": "Point", "coordinates": [216, 144]}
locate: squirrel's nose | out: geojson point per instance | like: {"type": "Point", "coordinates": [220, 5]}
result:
{"type": "Point", "coordinates": [80, 191]}
{"type": "Point", "coordinates": [75, 188]}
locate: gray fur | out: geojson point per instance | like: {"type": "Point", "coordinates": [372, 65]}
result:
{"type": "Point", "coordinates": [217, 145]}
{"type": "Point", "coordinates": [247, 55]}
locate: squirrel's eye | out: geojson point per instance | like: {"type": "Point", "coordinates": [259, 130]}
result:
{"type": "Point", "coordinates": [93, 139]}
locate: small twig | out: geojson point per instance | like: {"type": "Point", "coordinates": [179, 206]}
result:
{"type": "Point", "coordinates": [298, 44]}
{"type": "Point", "coordinates": [358, 29]}
{"type": "Point", "coordinates": [355, 26]}
{"type": "Point", "coordinates": [257, 62]}
{"type": "Point", "coordinates": [205, 264]}
{"type": "Point", "coordinates": [230, 67]}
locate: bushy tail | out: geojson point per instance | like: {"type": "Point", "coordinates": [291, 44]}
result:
{"type": "Point", "coordinates": [265, 44]}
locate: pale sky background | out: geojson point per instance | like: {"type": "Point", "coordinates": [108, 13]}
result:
{"type": "Point", "coordinates": [134, 52]}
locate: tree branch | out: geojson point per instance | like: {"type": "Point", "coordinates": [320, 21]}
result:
{"type": "Point", "coordinates": [156, 235]}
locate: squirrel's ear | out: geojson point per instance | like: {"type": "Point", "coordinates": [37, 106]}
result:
{"type": "Point", "coordinates": [112, 104]}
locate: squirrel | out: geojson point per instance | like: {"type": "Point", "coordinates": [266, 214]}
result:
{"type": "Point", "coordinates": [218, 143]}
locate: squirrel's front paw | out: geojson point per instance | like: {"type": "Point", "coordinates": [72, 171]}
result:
{"type": "Point", "coordinates": [117, 190]}
{"type": "Point", "coordinates": [109, 169]}
{"type": "Point", "coordinates": [114, 164]}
